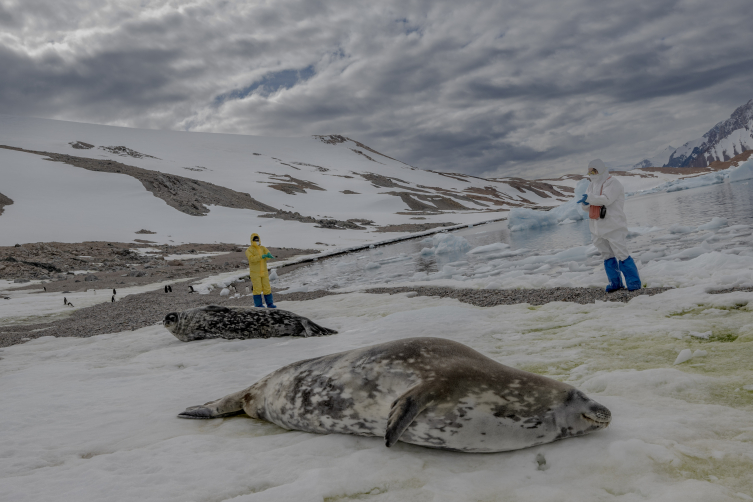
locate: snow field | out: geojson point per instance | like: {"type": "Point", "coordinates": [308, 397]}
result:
{"type": "Point", "coordinates": [108, 206]}
{"type": "Point", "coordinates": [679, 433]}
{"type": "Point", "coordinates": [31, 306]}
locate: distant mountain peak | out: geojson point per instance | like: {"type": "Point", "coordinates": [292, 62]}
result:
{"type": "Point", "coordinates": [725, 140]}
{"type": "Point", "coordinates": [656, 160]}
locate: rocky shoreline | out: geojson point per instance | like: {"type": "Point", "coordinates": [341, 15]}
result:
{"type": "Point", "coordinates": [145, 309]}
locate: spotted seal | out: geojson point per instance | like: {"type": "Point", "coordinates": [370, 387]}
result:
{"type": "Point", "coordinates": [425, 391]}
{"type": "Point", "coordinates": [232, 323]}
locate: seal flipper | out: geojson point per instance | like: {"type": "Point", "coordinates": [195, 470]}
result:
{"type": "Point", "coordinates": [313, 329]}
{"type": "Point", "coordinates": [224, 407]}
{"type": "Point", "coordinates": [404, 410]}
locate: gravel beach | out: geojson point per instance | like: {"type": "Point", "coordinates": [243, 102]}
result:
{"type": "Point", "coordinates": [145, 309]}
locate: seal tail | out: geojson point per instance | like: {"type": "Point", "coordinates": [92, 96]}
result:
{"type": "Point", "coordinates": [224, 407]}
{"type": "Point", "coordinates": [404, 410]}
{"type": "Point", "coordinates": [313, 329]}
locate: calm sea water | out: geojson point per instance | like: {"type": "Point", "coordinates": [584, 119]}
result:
{"type": "Point", "coordinates": [733, 201]}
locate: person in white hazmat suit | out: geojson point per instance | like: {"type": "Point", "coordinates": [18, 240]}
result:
{"type": "Point", "coordinates": [610, 232]}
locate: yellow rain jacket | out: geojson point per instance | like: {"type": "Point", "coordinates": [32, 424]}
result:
{"type": "Point", "coordinates": [257, 267]}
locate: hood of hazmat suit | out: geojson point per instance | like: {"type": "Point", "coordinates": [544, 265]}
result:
{"type": "Point", "coordinates": [604, 190]}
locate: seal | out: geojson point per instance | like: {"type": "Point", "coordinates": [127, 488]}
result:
{"type": "Point", "coordinates": [234, 323]}
{"type": "Point", "coordinates": [424, 391]}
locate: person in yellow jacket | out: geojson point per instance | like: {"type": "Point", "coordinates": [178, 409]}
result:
{"type": "Point", "coordinates": [257, 256]}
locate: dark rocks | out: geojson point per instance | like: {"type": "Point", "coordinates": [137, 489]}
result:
{"type": "Point", "coordinates": [492, 297]}
{"type": "Point", "coordinates": [90, 278]}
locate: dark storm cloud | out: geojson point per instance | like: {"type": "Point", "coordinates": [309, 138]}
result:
{"type": "Point", "coordinates": [482, 87]}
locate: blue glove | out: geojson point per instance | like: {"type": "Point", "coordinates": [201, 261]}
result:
{"type": "Point", "coordinates": [583, 200]}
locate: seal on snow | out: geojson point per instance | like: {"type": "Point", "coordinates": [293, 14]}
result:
{"type": "Point", "coordinates": [425, 391]}
{"type": "Point", "coordinates": [232, 323]}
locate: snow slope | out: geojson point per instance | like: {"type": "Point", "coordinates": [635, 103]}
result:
{"type": "Point", "coordinates": [321, 177]}
{"type": "Point", "coordinates": [680, 432]}
{"type": "Point", "coordinates": [657, 160]}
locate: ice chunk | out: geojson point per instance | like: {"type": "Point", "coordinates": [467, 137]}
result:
{"type": "Point", "coordinates": [684, 355]}
{"type": "Point", "coordinates": [679, 229]}
{"type": "Point", "coordinates": [445, 243]}
{"type": "Point", "coordinates": [225, 292]}
{"type": "Point", "coordinates": [744, 172]}
{"type": "Point", "coordinates": [497, 246]}
{"type": "Point", "coordinates": [530, 219]}
{"type": "Point", "coordinates": [700, 353]}
{"type": "Point", "coordinates": [372, 266]}
{"type": "Point", "coordinates": [714, 224]}
{"type": "Point", "coordinates": [273, 275]}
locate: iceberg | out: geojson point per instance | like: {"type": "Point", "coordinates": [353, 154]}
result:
{"type": "Point", "coordinates": [530, 219]}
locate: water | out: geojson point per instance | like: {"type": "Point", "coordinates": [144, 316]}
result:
{"type": "Point", "coordinates": [400, 261]}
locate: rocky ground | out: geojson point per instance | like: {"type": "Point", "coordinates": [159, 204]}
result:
{"type": "Point", "coordinates": [106, 265]}
{"type": "Point", "coordinates": [140, 310]}
{"type": "Point", "coordinates": [492, 297]}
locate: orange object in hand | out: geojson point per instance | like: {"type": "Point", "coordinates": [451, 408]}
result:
{"type": "Point", "coordinates": [594, 212]}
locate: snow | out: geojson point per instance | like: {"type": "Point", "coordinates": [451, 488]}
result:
{"type": "Point", "coordinates": [92, 419]}
{"type": "Point", "coordinates": [115, 206]}
{"type": "Point", "coordinates": [677, 433]}
{"type": "Point", "coordinates": [30, 306]}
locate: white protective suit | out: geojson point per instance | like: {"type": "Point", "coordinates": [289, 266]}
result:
{"type": "Point", "coordinates": [609, 234]}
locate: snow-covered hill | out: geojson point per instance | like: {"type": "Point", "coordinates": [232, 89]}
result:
{"type": "Point", "coordinates": [656, 160]}
{"type": "Point", "coordinates": [722, 142]}
{"type": "Point", "coordinates": [70, 182]}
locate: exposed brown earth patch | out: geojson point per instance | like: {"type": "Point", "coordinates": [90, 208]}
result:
{"type": "Point", "coordinates": [330, 223]}
{"type": "Point", "coordinates": [118, 263]}
{"type": "Point", "coordinates": [350, 192]}
{"type": "Point", "coordinates": [187, 195]}
{"type": "Point", "coordinates": [334, 139]}
{"type": "Point", "coordinates": [290, 185]}
{"type": "Point", "coordinates": [413, 227]}
{"type": "Point", "coordinates": [690, 171]}
{"type": "Point", "coordinates": [543, 190]}
{"type": "Point", "coordinates": [4, 201]}
{"type": "Point", "coordinates": [124, 151]}
{"type": "Point", "coordinates": [80, 145]}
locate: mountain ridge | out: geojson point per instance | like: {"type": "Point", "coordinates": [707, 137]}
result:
{"type": "Point", "coordinates": [722, 142]}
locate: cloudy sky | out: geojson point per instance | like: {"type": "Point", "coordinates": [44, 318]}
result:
{"type": "Point", "coordinates": [489, 88]}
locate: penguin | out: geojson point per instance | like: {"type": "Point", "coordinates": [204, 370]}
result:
{"type": "Point", "coordinates": [165, 289]}
{"type": "Point", "coordinates": [169, 289]}
{"type": "Point", "coordinates": [70, 304]}
{"type": "Point", "coordinates": [45, 288]}
{"type": "Point", "coordinates": [65, 301]}
{"type": "Point", "coordinates": [113, 299]}
{"type": "Point", "coordinates": [114, 292]}
{"type": "Point", "coordinates": [191, 290]}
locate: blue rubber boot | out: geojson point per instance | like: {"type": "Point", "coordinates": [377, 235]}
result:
{"type": "Point", "coordinates": [613, 274]}
{"type": "Point", "coordinates": [630, 271]}
{"type": "Point", "coordinates": [257, 301]}
{"type": "Point", "coordinates": [268, 300]}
